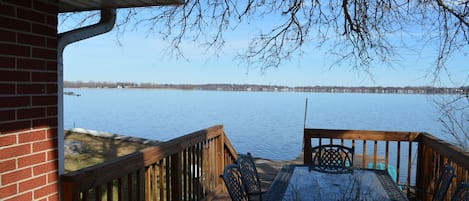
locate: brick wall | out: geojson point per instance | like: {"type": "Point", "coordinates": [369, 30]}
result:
{"type": "Point", "coordinates": [28, 100]}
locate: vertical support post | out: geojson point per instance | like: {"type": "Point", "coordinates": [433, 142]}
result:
{"type": "Point", "coordinates": [307, 148]}
{"type": "Point", "coordinates": [176, 176]}
{"type": "Point", "coordinates": [69, 190]}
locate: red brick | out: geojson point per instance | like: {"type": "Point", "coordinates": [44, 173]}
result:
{"type": "Point", "coordinates": [16, 151]}
{"type": "Point", "coordinates": [46, 7]}
{"type": "Point", "coordinates": [32, 136]}
{"type": "Point", "coordinates": [52, 88]}
{"type": "Point", "coordinates": [52, 133]}
{"type": "Point", "coordinates": [7, 140]}
{"type": "Point", "coordinates": [44, 77]}
{"type": "Point", "coordinates": [51, 42]}
{"type": "Point", "coordinates": [12, 127]}
{"type": "Point", "coordinates": [7, 115]}
{"type": "Point", "coordinates": [30, 15]}
{"type": "Point", "coordinates": [31, 160]}
{"type": "Point", "coordinates": [44, 30]}
{"type": "Point", "coordinates": [31, 113]}
{"type": "Point", "coordinates": [18, 76]}
{"type": "Point", "coordinates": [52, 155]}
{"type": "Point", "coordinates": [16, 176]}
{"type": "Point", "coordinates": [51, 111]}
{"type": "Point", "coordinates": [23, 3]}
{"type": "Point", "coordinates": [31, 88]}
{"type": "Point", "coordinates": [14, 24]}
{"type": "Point", "coordinates": [28, 39]}
{"type": "Point", "coordinates": [44, 53]}
{"type": "Point", "coordinates": [33, 64]}
{"type": "Point", "coordinates": [45, 123]}
{"type": "Point", "coordinates": [7, 62]}
{"type": "Point", "coordinates": [51, 20]}
{"type": "Point", "coordinates": [7, 89]}
{"type": "Point", "coordinates": [44, 145]}
{"type": "Point", "coordinates": [51, 65]}
{"type": "Point", "coordinates": [54, 197]}
{"type": "Point", "coordinates": [6, 166]}
{"type": "Point", "coordinates": [15, 50]}
{"type": "Point", "coordinates": [7, 36]}
{"type": "Point", "coordinates": [45, 168]}
{"type": "Point", "coordinates": [46, 190]}
{"type": "Point", "coordinates": [44, 100]}
{"type": "Point", "coordinates": [17, 101]}
{"type": "Point", "coordinates": [6, 191]}
{"type": "Point", "coordinates": [33, 183]}
{"type": "Point", "coordinates": [21, 197]}
{"type": "Point", "coordinates": [52, 177]}
{"type": "Point", "coordinates": [7, 10]}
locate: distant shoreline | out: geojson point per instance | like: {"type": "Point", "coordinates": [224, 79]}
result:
{"type": "Point", "coordinates": [272, 88]}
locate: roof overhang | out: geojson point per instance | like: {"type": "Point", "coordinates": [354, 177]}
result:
{"type": "Point", "coordinates": [88, 5]}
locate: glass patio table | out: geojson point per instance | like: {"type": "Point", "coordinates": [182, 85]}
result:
{"type": "Point", "coordinates": [300, 183]}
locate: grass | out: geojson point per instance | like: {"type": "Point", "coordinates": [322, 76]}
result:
{"type": "Point", "coordinates": [97, 150]}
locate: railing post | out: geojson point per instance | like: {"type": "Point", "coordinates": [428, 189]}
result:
{"type": "Point", "coordinates": [176, 182]}
{"type": "Point", "coordinates": [306, 148]}
{"type": "Point", "coordinates": [70, 190]}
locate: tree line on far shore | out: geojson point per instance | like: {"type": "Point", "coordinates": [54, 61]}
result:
{"type": "Point", "coordinates": [255, 87]}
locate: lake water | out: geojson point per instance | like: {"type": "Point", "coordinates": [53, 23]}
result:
{"type": "Point", "coordinates": [267, 124]}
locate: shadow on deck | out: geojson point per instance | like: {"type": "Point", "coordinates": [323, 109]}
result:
{"type": "Point", "coordinates": [267, 170]}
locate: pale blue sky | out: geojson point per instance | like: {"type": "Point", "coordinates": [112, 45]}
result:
{"type": "Point", "coordinates": [141, 58]}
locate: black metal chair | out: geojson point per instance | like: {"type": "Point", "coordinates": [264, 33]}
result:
{"type": "Point", "coordinates": [462, 192]}
{"type": "Point", "coordinates": [250, 176]}
{"type": "Point", "coordinates": [332, 159]}
{"type": "Point", "coordinates": [234, 184]}
{"type": "Point", "coordinates": [443, 183]}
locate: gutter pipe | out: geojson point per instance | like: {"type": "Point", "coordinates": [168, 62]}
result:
{"type": "Point", "coordinates": [105, 24]}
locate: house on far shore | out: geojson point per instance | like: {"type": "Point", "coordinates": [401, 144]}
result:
{"type": "Point", "coordinates": [31, 89]}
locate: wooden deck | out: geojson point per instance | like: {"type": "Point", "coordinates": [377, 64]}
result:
{"type": "Point", "coordinates": [188, 167]}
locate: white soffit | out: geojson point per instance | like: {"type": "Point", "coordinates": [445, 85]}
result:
{"type": "Point", "coordinates": [87, 5]}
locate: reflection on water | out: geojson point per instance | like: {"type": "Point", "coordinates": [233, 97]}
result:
{"type": "Point", "coordinates": [267, 124]}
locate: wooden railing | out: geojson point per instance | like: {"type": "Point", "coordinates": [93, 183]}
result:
{"type": "Point", "coordinates": [186, 168]}
{"type": "Point", "coordinates": [417, 158]}
{"type": "Point", "coordinates": [433, 155]}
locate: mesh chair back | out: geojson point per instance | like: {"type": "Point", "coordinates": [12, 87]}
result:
{"type": "Point", "coordinates": [443, 183]}
{"type": "Point", "coordinates": [250, 176]}
{"type": "Point", "coordinates": [462, 192]}
{"type": "Point", "coordinates": [332, 159]}
{"type": "Point", "coordinates": [234, 184]}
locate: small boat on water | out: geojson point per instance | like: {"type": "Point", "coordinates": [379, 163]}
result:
{"type": "Point", "coordinates": [71, 93]}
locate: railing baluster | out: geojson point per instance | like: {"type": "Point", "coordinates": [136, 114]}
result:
{"type": "Point", "coordinates": [184, 174]}
{"type": "Point", "coordinates": [168, 178]}
{"type": "Point", "coordinates": [364, 154]}
{"type": "Point", "coordinates": [198, 161]}
{"type": "Point", "coordinates": [409, 167]}
{"type": "Point", "coordinates": [110, 190]}
{"type": "Point", "coordinates": [375, 154]}
{"type": "Point", "coordinates": [398, 168]}
{"type": "Point", "coordinates": [85, 196]}
{"type": "Point", "coordinates": [386, 157]}
{"type": "Point", "coordinates": [192, 170]}
{"type": "Point", "coordinates": [138, 191]}
{"type": "Point", "coordinates": [120, 189]}
{"type": "Point", "coordinates": [147, 180]}
{"type": "Point", "coordinates": [161, 178]}
{"type": "Point", "coordinates": [97, 193]}
{"type": "Point", "coordinates": [129, 186]}
{"type": "Point", "coordinates": [156, 181]}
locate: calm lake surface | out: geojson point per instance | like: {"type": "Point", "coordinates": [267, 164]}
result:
{"type": "Point", "coordinates": [267, 124]}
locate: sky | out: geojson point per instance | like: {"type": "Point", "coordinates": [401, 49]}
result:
{"type": "Point", "coordinates": [140, 57]}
